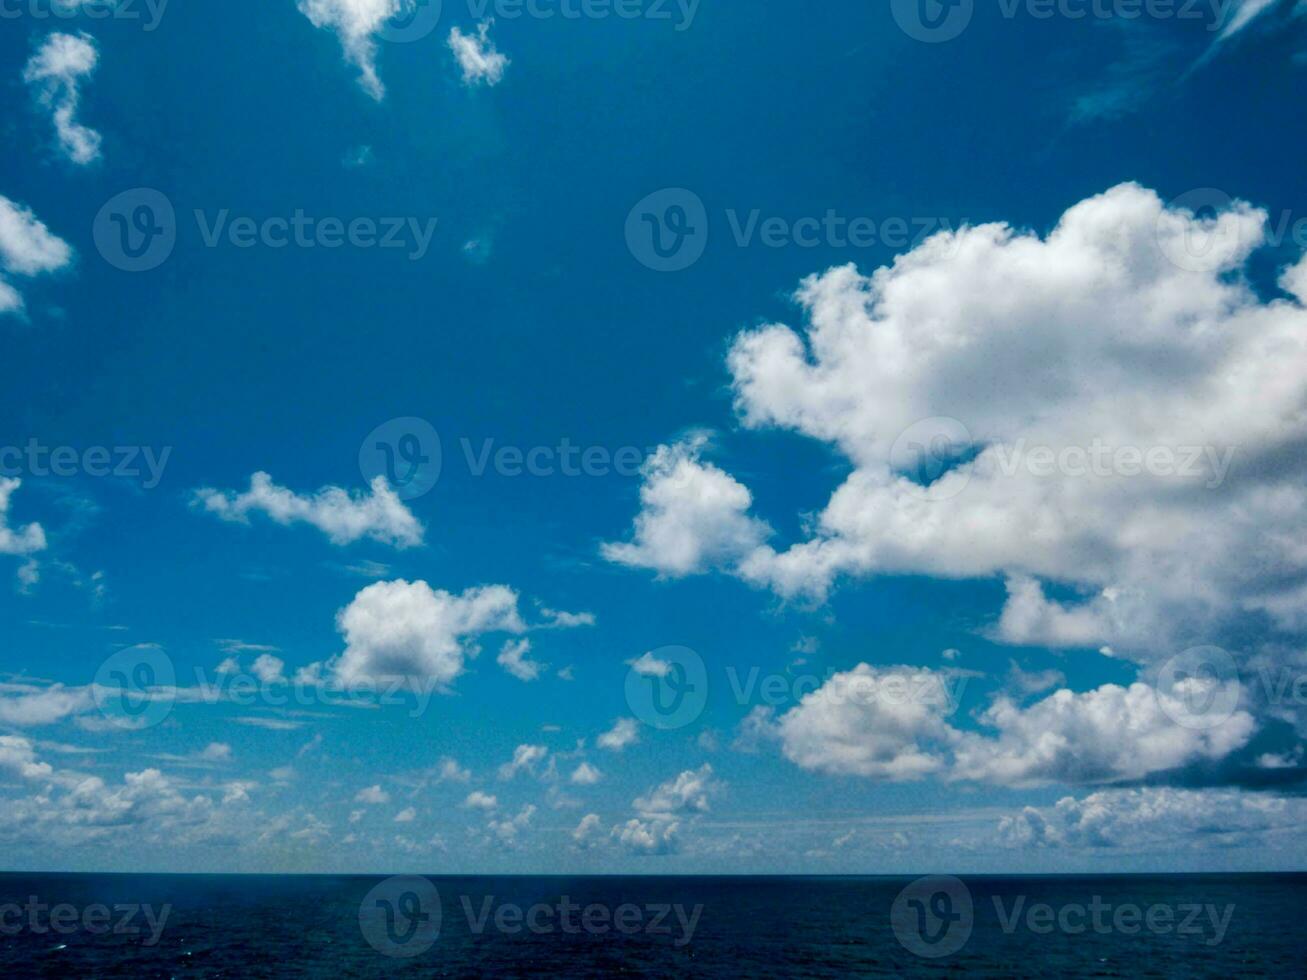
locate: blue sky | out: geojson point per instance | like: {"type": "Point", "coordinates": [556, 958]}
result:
{"type": "Point", "coordinates": [1028, 235]}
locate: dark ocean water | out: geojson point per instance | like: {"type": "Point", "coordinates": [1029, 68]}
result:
{"type": "Point", "coordinates": [216, 926]}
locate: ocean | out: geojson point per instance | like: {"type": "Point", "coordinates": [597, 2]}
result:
{"type": "Point", "coordinates": [96, 925]}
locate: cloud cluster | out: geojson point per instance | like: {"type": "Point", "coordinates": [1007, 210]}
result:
{"type": "Point", "coordinates": [1158, 818]}
{"type": "Point", "coordinates": [895, 724]}
{"type": "Point", "coordinates": [344, 516]}
{"type": "Point", "coordinates": [1129, 331]}
{"type": "Point", "coordinates": [55, 73]}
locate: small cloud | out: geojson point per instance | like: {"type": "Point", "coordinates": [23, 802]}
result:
{"type": "Point", "coordinates": [477, 56]}
{"type": "Point", "coordinates": [373, 796]}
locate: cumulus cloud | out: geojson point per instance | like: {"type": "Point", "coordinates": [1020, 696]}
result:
{"type": "Point", "coordinates": [525, 759]}
{"type": "Point", "coordinates": [1144, 455]}
{"type": "Point", "coordinates": [1158, 817]}
{"type": "Point", "coordinates": [507, 831]}
{"type": "Point", "coordinates": [649, 837]}
{"type": "Point", "coordinates": [357, 24]}
{"type": "Point", "coordinates": [27, 248]}
{"type": "Point", "coordinates": [71, 809]}
{"type": "Point", "coordinates": [686, 793]}
{"type": "Point", "coordinates": [477, 56]}
{"type": "Point", "coordinates": [269, 669]}
{"type": "Point", "coordinates": [373, 796]}
{"type": "Point", "coordinates": [586, 775]}
{"type": "Point", "coordinates": [55, 74]}
{"type": "Point", "coordinates": [589, 831]}
{"type": "Point", "coordinates": [895, 724]}
{"type": "Point", "coordinates": [664, 812]}
{"type": "Point", "coordinates": [693, 516]}
{"type": "Point", "coordinates": [409, 631]}
{"type": "Point", "coordinates": [514, 660]}
{"type": "Point", "coordinates": [477, 800]}
{"type": "Point", "coordinates": [20, 541]}
{"type": "Point", "coordinates": [344, 516]}
{"type": "Point", "coordinates": [625, 731]}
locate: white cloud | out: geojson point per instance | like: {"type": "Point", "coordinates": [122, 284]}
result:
{"type": "Point", "coordinates": [27, 248]}
{"type": "Point", "coordinates": [406, 815]}
{"type": "Point", "coordinates": [344, 516]}
{"type": "Point", "coordinates": [411, 631]}
{"type": "Point", "coordinates": [373, 796]}
{"type": "Point", "coordinates": [1163, 818]}
{"type": "Point", "coordinates": [55, 73]}
{"type": "Point", "coordinates": [693, 516]}
{"type": "Point", "coordinates": [477, 56]}
{"type": "Point", "coordinates": [25, 705]}
{"type": "Point", "coordinates": [559, 619]}
{"type": "Point", "coordinates": [525, 759]}
{"type": "Point", "coordinates": [269, 669]}
{"type": "Point", "coordinates": [625, 731]}
{"type": "Point", "coordinates": [586, 775]}
{"type": "Point", "coordinates": [506, 831]}
{"type": "Point", "coordinates": [647, 665]}
{"type": "Point", "coordinates": [1129, 327]}
{"type": "Point", "coordinates": [477, 800]}
{"type": "Point", "coordinates": [589, 831]}
{"type": "Point", "coordinates": [687, 793]}
{"type": "Point", "coordinates": [452, 772]}
{"type": "Point", "coordinates": [882, 723]}
{"type": "Point", "coordinates": [216, 752]}
{"type": "Point", "coordinates": [893, 724]}
{"type": "Point", "coordinates": [357, 23]}
{"type": "Point", "coordinates": [648, 837]}
{"type": "Point", "coordinates": [513, 659]}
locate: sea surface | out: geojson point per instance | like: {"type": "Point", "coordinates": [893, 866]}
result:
{"type": "Point", "coordinates": [283, 926]}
